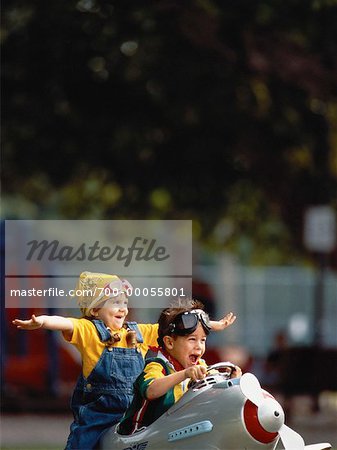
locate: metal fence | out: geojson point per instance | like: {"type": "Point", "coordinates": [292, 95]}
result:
{"type": "Point", "coordinates": [268, 300]}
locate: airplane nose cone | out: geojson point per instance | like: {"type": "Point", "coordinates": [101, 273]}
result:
{"type": "Point", "coordinates": [270, 415]}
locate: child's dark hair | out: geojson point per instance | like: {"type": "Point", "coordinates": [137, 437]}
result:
{"type": "Point", "coordinates": [168, 315]}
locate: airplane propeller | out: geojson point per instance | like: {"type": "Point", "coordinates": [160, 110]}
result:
{"type": "Point", "coordinates": [290, 439]}
{"type": "Point", "coordinates": [251, 388]}
{"type": "Point", "coordinates": [270, 413]}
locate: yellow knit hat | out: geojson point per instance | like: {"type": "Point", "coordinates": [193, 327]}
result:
{"type": "Point", "coordinates": [93, 289]}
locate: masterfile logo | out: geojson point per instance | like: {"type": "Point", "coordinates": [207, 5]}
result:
{"type": "Point", "coordinates": [49, 255]}
{"type": "Point", "coordinates": [140, 250]}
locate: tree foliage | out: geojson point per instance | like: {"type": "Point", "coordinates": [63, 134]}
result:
{"type": "Point", "coordinates": [223, 112]}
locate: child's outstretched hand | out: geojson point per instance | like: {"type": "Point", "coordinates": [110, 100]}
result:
{"type": "Point", "coordinates": [218, 325]}
{"type": "Point", "coordinates": [31, 324]}
{"type": "Point", "coordinates": [196, 372]}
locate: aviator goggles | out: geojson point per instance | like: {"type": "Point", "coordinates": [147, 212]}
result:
{"type": "Point", "coordinates": [116, 287]}
{"type": "Point", "coordinates": [110, 290]}
{"type": "Point", "coordinates": [186, 323]}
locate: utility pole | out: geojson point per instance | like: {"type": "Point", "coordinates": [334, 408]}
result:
{"type": "Point", "coordinates": [319, 237]}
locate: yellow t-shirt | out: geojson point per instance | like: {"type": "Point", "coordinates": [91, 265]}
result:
{"type": "Point", "coordinates": [86, 339]}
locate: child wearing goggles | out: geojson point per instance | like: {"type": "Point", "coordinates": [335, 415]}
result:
{"type": "Point", "coordinates": [182, 335]}
{"type": "Point", "coordinates": [112, 352]}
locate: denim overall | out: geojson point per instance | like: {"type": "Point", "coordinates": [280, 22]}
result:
{"type": "Point", "coordinates": [99, 401]}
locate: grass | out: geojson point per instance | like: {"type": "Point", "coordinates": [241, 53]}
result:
{"type": "Point", "coordinates": [30, 447]}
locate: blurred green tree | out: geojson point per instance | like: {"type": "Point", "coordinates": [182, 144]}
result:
{"type": "Point", "coordinates": [219, 112]}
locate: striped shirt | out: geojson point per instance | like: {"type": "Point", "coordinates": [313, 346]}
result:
{"type": "Point", "coordinates": [142, 412]}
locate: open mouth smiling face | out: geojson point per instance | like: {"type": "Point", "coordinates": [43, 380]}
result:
{"type": "Point", "coordinates": [114, 312]}
{"type": "Point", "coordinates": [187, 350]}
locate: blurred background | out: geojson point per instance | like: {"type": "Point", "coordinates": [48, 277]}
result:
{"type": "Point", "coordinates": [220, 113]}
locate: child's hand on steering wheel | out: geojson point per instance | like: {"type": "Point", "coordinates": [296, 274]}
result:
{"type": "Point", "coordinates": [196, 372]}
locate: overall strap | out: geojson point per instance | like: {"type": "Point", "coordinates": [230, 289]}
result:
{"type": "Point", "coordinates": [134, 327]}
{"type": "Point", "coordinates": [104, 333]}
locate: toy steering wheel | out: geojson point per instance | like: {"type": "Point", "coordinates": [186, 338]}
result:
{"type": "Point", "coordinates": [227, 370]}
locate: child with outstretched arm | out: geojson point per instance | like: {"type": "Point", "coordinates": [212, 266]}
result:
{"type": "Point", "coordinates": [111, 356]}
{"type": "Point", "coordinates": [182, 338]}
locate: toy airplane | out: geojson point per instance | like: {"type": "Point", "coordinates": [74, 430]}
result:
{"type": "Point", "coordinates": [217, 413]}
